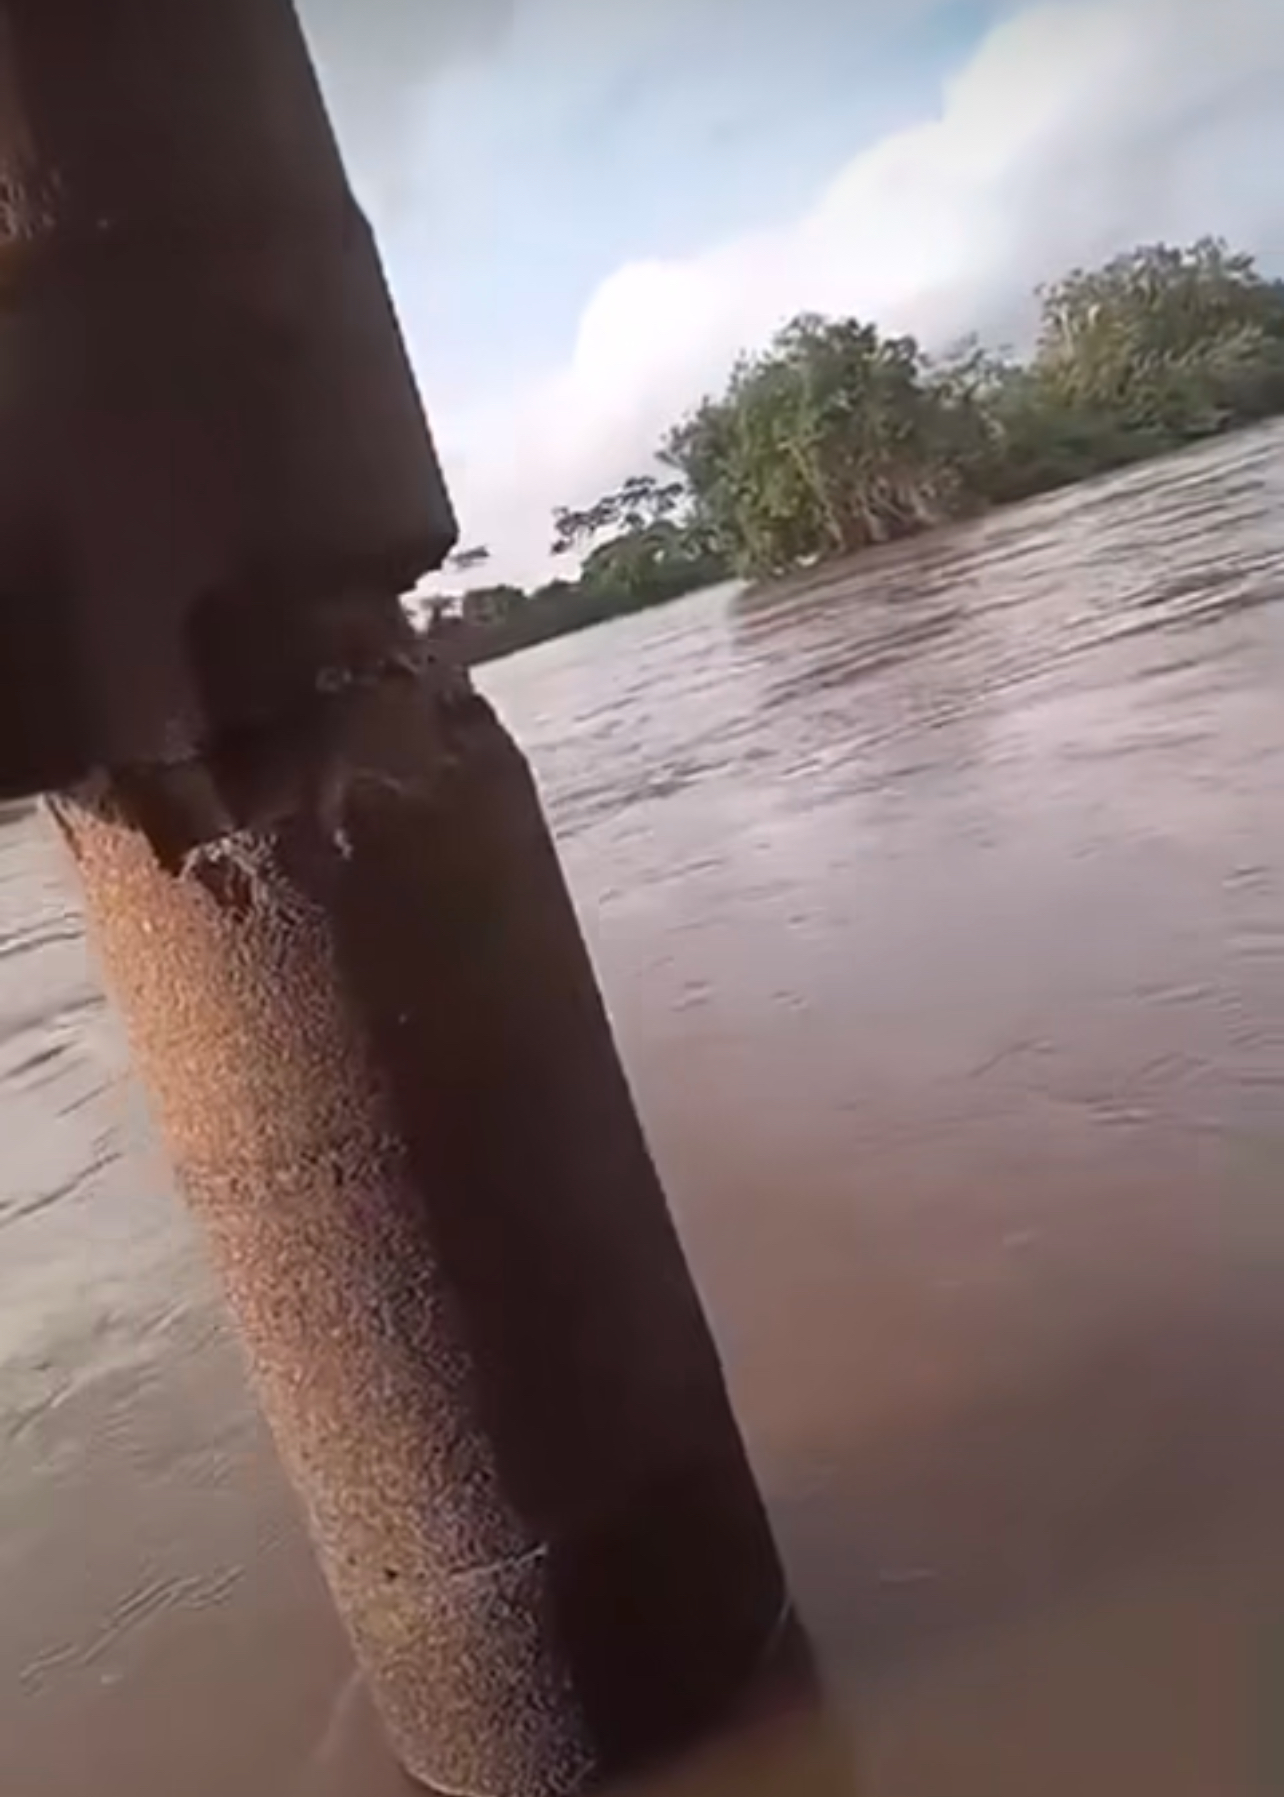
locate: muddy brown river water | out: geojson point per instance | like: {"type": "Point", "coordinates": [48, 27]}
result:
{"type": "Point", "coordinates": [940, 908]}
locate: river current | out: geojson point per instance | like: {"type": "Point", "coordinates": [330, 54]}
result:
{"type": "Point", "coordinates": [938, 903]}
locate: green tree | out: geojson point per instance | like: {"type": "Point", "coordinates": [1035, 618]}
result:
{"type": "Point", "coordinates": [643, 502]}
{"type": "Point", "coordinates": [1174, 344]}
{"type": "Point", "coordinates": [831, 440]}
{"type": "Point", "coordinates": [491, 605]}
{"type": "Point", "coordinates": [637, 543]}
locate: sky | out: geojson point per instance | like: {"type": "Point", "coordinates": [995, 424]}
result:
{"type": "Point", "coordinates": [587, 207]}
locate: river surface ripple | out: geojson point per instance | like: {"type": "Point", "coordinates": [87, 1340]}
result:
{"type": "Point", "coordinates": [937, 901]}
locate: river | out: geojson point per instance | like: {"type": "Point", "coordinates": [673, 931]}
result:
{"type": "Point", "coordinates": [938, 905]}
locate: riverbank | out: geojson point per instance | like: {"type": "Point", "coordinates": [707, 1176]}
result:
{"type": "Point", "coordinates": [539, 620]}
{"type": "Point", "coordinates": [542, 620]}
{"type": "Point", "coordinates": [836, 439]}
{"type": "Point", "coordinates": [899, 569]}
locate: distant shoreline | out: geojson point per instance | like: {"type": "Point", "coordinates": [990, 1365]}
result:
{"type": "Point", "coordinates": [543, 621]}
{"type": "Point", "coordinates": [837, 439]}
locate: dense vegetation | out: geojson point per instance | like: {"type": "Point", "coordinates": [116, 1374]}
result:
{"type": "Point", "coordinates": [836, 437]}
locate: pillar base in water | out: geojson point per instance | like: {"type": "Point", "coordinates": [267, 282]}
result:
{"type": "Point", "coordinates": [379, 1058]}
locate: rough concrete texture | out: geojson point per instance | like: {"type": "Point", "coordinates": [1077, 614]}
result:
{"type": "Point", "coordinates": [379, 1057]}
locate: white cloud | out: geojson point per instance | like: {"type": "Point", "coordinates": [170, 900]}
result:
{"type": "Point", "coordinates": [375, 61]}
{"type": "Point", "coordinates": [1075, 129]}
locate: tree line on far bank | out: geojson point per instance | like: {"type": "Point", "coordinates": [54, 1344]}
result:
{"type": "Point", "coordinates": [836, 437]}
